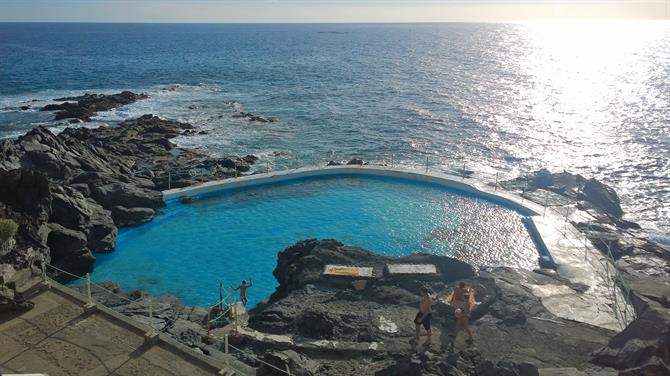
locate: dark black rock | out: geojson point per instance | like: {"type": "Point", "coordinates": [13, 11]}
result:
{"type": "Point", "coordinates": [124, 216]}
{"type": "Point", "coordinates": [88, 105]}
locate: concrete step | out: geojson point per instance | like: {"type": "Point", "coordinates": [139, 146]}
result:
{"type": "Point", "coordinates": [29, 288]}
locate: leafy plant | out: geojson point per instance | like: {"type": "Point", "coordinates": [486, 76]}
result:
{"type": "Point", "coordinates": [7, 229]}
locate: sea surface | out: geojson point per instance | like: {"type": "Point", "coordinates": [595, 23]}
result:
{"type": "Point", "coordinates": [586, 97]}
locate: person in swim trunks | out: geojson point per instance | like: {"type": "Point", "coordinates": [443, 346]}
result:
{"type": "Point", "coordinates": [424, 315]}
{"type": "Point", "coordinates": [243, 291]}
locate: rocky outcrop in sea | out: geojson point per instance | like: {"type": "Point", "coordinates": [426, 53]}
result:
{"type": "Point", "coordinates": [86, 106]}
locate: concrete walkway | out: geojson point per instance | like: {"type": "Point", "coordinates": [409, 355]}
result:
{"type": "Point", "coordinates": [60, 337]}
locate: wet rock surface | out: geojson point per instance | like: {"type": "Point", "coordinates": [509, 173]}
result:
{"type": "Point", "coordinates": [253, 117]}
{"type": "Point", "coordinates": [86, 106]}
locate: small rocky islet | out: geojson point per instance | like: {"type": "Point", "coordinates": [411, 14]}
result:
{"type": "Point", "coordinates": [69, 194]}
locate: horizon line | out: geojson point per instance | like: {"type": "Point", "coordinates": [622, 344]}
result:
{"type": "Point", "coordinates": [578, 19]}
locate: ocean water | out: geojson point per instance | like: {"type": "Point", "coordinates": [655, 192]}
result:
{"type": "Point", "coordinates": [587, 97]}
{"type": "Point", "coordinates": [236, 234]}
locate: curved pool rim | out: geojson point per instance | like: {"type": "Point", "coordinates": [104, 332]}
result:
{"type": "Point", "coordinates": [470, 186]}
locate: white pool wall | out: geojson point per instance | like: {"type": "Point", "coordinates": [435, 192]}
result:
{"type": "Point", "coordinates": [467, 185]}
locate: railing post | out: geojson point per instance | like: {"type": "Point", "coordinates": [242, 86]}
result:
{"type": "Point", "coordinates": [495, 187]}
{"type": "Point", "coordinates": [225, 350]}
{"type": "Point", "coordinates": [209, 320]}
{"type": "Point", "coordinates": [235, 316]}
{"type": "Point", "coordinates": [463, 172]}
{"type": "Point", "coordinates": [89, 297]}
{"type": "Point", "coordinates": [235, 172]}
{"type": "Point", "coordinates": [288, 370]}
{"type": "Point", "coordinates": [426, 170]}
{"type": "Point", "coordinates": [169, 180]}
{"type": "Point", "coordinates": [151, 314]}
{"type": "Point", "coordinates": [546, 202]}
{"type": "Point", "coordinates": [392, 160]}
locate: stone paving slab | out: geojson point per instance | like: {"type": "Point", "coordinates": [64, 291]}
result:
{"type": "Point", "coordinates": [58, 337]}
{"type": "Point", "coordinates": [159, 361]}
{"type": "Point", "coordinates": [411, 269]}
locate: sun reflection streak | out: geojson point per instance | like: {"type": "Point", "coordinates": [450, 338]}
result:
{"type": "Point", "coordinates": [582, 71]}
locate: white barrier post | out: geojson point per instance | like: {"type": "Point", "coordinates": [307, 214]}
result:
{"type": "Point", "coordinates": [495, 188]}
{"type": "Point", "coordinates": [88, 288]}
{"type": "Point", "coordinates": [151, 314]}
{"type": "Point", "coordinates": [209, 320]}
{"type": "Point", "coordinates": [225, 350]}
{"type": "Point", "coordinates": [169, 180]}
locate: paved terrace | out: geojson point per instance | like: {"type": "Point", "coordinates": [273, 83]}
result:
{"type": "Point", "coordinates": [60, 336]}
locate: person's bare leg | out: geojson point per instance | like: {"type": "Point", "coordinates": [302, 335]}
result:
{"type": "Point", "coordinates": [430, 332]}
{"type": "Point", "coordinates": [457, 328]}
{"type": "Point", "coordinates": [418, 328]}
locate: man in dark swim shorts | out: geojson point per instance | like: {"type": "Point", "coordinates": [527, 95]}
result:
{"type": "Point", "coordinates": [424, 315]}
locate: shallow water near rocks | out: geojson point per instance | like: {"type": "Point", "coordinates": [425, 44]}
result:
{"type": "Point", "coordinates": [236, 234]}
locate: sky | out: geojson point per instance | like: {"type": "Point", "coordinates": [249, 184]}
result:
{"type": "Point", "coordinates": [215, 11]}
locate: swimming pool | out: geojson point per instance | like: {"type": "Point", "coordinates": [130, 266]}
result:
{"type": "Point", "coordinates": [235, 234]}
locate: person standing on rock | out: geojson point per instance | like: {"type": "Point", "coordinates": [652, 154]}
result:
{"type": "Point", "coordinates": [424, 315]}
{"type": "Point", "coordinates": [462, 299]}
{"type": "Point", "coordinates": [243, 290]}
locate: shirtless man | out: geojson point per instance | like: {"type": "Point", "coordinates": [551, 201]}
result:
{"type": "Point", "coordinates": [243, 291]}
{"type": "Point", "coordinates": [424, 315]}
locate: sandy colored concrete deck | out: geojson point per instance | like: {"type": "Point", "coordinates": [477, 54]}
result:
{"type": "Point", "coordinates": [59, 337]}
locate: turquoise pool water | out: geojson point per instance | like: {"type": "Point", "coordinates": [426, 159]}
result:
{"type": "Point", "coordinates": [236, 234]}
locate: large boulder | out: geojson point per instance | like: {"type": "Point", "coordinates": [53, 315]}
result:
{"type": "Point", "coordinates": [72, 210]}
{"type": "Point", "coordinates": [86, 106]}
{"type": "Point", "coordinates": [63, 241]}
{"type": "Point", "coordinates": [131, 216]}
{"type": "Point", "coordinates": [644, 345]}
{"type": "Point", "coordinates": [603, 197]}
{"type": "Point", "coordinates": [122, 194]}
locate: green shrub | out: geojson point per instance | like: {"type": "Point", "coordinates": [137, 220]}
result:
{"type": "Point", "coordinates": [7, 229]}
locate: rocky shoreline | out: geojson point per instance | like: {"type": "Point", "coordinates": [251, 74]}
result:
{"type": "Point", "coordinates": [69, 194]}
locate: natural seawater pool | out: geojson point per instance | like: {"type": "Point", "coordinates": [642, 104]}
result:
{"type": "Point", "coordinates": [236, 234]}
